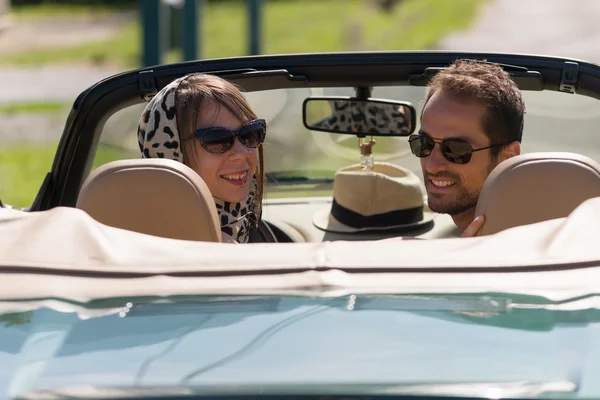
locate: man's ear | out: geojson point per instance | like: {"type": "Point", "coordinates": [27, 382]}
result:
{"type": "Point", "coordinates": [513, 149]}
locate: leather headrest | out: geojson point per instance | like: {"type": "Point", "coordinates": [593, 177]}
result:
{"type": "Point", "coordinates": [535, 187]}
{"type": "Point", "coordinates": [158, 197]}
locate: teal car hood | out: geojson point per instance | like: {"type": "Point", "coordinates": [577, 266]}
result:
{"type": "Point", "coordinates": [365, 342]}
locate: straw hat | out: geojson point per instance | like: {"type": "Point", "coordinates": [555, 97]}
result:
{"type": "Point", "coordinates": [388, 197]}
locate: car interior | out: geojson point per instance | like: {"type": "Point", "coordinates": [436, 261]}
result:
{"type": "Point", "coordinates": [124, 193]}
{"type": "Point", "coordinates": [307, 159]}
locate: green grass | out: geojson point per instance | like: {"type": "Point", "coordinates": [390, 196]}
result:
{"type": "Point", "coordinates": [293, 191]}
{"type": "Point", "coordinates": [122, 50]}
{"type": "Point", "coordinates": [41, 107]}
{"type": "Point", "coordinates": [335, 25]}
{"type": "Point", "coordinates": [41, 11]}
{"type": "Point", "coordinates": [23, 168]}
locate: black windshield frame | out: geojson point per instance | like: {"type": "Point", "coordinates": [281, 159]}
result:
{"type": "Point", "coordinates": [77, 146]}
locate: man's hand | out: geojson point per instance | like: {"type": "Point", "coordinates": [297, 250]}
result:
{"type": "Point", "coordinates": [474, 227]}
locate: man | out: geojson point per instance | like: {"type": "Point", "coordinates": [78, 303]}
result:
{"type": "Point", "coordinates": [471, 121]}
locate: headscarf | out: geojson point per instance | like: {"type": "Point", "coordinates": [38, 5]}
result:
{"type": "Point", "coordinates": [158, 137]}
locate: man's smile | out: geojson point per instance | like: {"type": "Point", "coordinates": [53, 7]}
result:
{"type": "Point", "coordinates": [441, 183]}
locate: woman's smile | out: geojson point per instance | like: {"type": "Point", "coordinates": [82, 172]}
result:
{"type": "Point", "coordinates": [239, 178]}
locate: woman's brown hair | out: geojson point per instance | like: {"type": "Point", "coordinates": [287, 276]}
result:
{"type": "Point", "coordinates": [190, 95]}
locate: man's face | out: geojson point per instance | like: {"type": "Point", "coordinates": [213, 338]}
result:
{"type": "Point", "coordinates": [454, 188]}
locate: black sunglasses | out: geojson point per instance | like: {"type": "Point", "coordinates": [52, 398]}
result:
{"type": "Point", "coordinates": [457, 151]}
{"type": "Point", "coordinates": [219, 140]}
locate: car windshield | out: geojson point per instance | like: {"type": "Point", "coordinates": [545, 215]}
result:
{"type": "Point", "coordinates": [513, 344]}
{"type": "Point", "coordinates": [298, 159]}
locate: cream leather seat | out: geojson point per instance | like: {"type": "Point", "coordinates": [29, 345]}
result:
{"type": "Point", "coordinates": [153, 196]}
{"type": "Point", "coordinates": [536, 187]}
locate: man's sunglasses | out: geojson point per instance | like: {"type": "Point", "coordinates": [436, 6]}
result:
{"type": "Point", "coordinates": [457, 151]}
{"type": "Point", "coordinates": [219, 140]}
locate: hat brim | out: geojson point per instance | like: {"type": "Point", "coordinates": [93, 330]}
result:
{"type": "Point", "coordinates": [328, 223]}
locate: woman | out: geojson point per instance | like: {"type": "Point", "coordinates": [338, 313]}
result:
{"type": "Point", "coordinates": [206, 123]}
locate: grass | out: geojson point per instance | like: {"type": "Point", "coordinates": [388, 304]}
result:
{"type": "Point", "coordinates": [41, 11]}
{"type": "Point", "coordinates": [23, 168]}
{"type": "Point", "coordinates": [122, 50]}
{"type": "Point", "coordinates": [335, 25]}
{"type": "Point", "coordinates": [41, 107]}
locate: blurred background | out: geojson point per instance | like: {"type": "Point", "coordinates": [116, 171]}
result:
{"type": "Point", "coordinates": [51, 50]}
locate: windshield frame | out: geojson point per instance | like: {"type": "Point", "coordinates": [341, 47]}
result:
{"type": "Point", "coordinates": [84, 125]}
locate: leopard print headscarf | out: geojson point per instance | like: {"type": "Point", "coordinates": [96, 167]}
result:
{"type": "Point", "coordinates": [158, 137]}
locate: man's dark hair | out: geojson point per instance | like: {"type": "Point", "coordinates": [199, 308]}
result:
{"type": "Point", "coordinates": [488, 84]}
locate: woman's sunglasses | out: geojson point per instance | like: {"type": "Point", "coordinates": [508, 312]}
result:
{"type": "Point", "coordinates": [219, 140]}
{"type": "Point", "coordinates": [457, 151]}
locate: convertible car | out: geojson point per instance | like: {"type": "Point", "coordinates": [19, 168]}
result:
{"type": "Point", "coordinates": [105, 293]}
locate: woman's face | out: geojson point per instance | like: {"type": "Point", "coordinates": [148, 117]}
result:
{"type": "Point", "coordinates": [227, 175]}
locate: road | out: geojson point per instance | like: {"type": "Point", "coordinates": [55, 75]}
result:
{"type": "Point", "coordinates": [49, 83]}
{"type": "Point", "coordinates": [549, 27]}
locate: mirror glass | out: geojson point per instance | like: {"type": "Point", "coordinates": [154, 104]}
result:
{"type": "Point", "coordinates": [357, 116]}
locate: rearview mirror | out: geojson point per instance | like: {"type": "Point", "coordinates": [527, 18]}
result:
{"type": "Point", "coordinates": [361, 117]}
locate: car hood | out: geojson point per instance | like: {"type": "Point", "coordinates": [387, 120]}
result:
{"type": "Point", "coordinates": [464, 344]}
